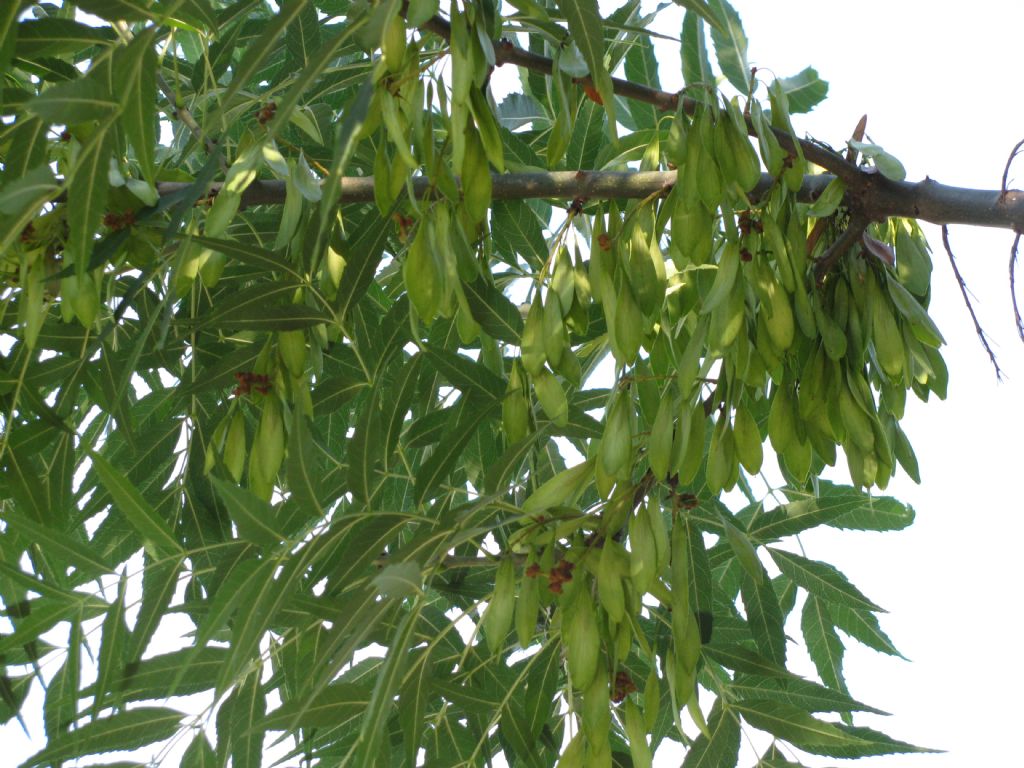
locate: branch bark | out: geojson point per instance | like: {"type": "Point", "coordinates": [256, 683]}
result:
{"type": "Point", "coordinates": [877, 199]}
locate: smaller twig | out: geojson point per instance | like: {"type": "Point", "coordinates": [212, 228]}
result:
{"type": "Point", "coordinates": [827, 261]}
{"type": "Point", "coordinates": [1006, 171]}
{"type": "Point", "coordinates": [1013, 288]}
{"type": "Point", "coordinates": [452, 562]}
{"type": "Point", "coordinates": [851, 157]}
{"type": "Point", "coordinates": [182, 113]}
{"type": "Point", "coordinates": [967, 300]}
{"type": "Point", "coordinates": [858, 135]}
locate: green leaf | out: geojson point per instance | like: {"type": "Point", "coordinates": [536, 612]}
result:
{"type": "Point", "coordinates": [587, 30]}
{"type": "Point", "coordinates": [731, 45]}
{"type": "Point", "coordinates": [388, 681]}
{"type": "Point", "coordinates": [362, 254]}
{"type": "Point", "coordinates": [57, 545]}
{"type": "Point", "coordinates": [886, 164]}
{"type": "Point", "coordinates": [74, 101]}
{"type": "Point", "coordinates": [400, 580]}
{"type": "Point", "coordinates": [303, 37]}
{"type": "Point", "coordinates": [126, 730]}
{"type": "Point", "coordinates": [701, 8]}
{"type": "Point", "coordinates": [821, 579]}
{"type": "Point", "coordinates": [863, 626]}
{"type": "Point", "coordinates": [248, 708]}
{"type": "Point", "coordinates": [9, 14]}
{"type": "Point", "coordinates": [259, 49]}
{"type": "Point", "coordinates": [800, 693]}
{"type": "Point", "coordinates": [498, 317]}
{"type": "Point", "coordinates": [804, 90]}
{"type": "Point", "coordinates": [465, 374]}
{"type": "Point", "coordinates": [412, 702]}
{"type": "Point", "coordinates": [13, 692]}
{"type": "Point", "coordinates": [112, 651]}
{"type": "Point", "coordinates": [470, 414]}
{"type": "Point", "coordinates": [259, 309]}
{"type": "Point", "coordinates": [21, 200]}
{"type": "Point", "coordinates": [338, 705]}
{"type": "Point", "coordinates": [117, 10]}
{"type": "Point", "coordinates": [498, 473]}
{"type": "Point", "coordinates": [134, 69]}
{"type": "Point", "coordinates": [868, 743]}
{"type": "Point", "coordinates": [345, 139]}
{"type": "Point", "coordinates": [792, 724]}
{"type": "Point", "coordinates": [696, 66]}
{"type": "Point", "coordinates": [518, 232]}
{"type": "Point", "coordinates": [156, 535]}
{"type": "Point", "coordinates": [872, 513]}
{"type": "Point", "coordinates": [185, 672]}
{"type": "Point", "coordinates": [255, 518]}
{"type": "Point", "coordinates": [364, 451]}
{"type": "Point", "coordinates": [199, 13]}
{"type": "Point", "coordinates": [642, 67]}
{"type": "Point", "coordinates": [60, 707]}
{"type": "Point", "coordinates": [199, 753]}
{"type": "Point", "coordinates": [395, 405]}
{"type": "Point", "coordinates": [837, 506]}
{"type": "Point", "coordinates": [746, 661]}
{"type": "Point", "coordinates": [545, 670]}
{"type": "Point", "coordinates": [721, 750]}
{"type": "Point", "coordinates": [159, 581]}
{"type": "Point", "coordinates": [27, 149]}
{"type": "Point", "coordinates": [235, 579]}
{"type": "Point", "coordinates": [764, 617]}
{"type": "Point", "coordinates": [318, 58]}
{"type": "Point", "coordinates": [56, 37]}
{"type": "Point", "coordinates": [823, 644]}
{"type": "Point", "coordinates": [305, 475]}
{"type": "Point", "coordinates": [87, 197]}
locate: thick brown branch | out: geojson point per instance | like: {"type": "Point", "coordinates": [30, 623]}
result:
{"type": "Point", "coordinates": [927, 200]}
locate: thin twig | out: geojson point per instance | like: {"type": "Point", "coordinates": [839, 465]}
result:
{"type": "Point", "coordinates": [827, 261]}
{"type": "Point", "coordinates": [182, 113]}
{"type": "Point", "coordinates": [858, 135]}
{"type": "Point", "coordinates": [506, 52]}
{"type": "Point", "coordinates": [178, 112]}
{"type": "Point", "coordinates": [1013, 288]}
{"type": "Point", "coordinates": [967, 300]}
{"type": "Point", "coordinates": [1006, 170]}
{"type": "Point", "coordinates": [851, 157]}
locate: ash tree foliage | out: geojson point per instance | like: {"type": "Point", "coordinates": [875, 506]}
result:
{"type": "Point", "coordinates": [310, 345]}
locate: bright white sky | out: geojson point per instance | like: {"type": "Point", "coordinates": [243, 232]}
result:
{"type": "Point", "coordinates": [940, 84]}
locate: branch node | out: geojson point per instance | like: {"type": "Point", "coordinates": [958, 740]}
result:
{"type": "Point", "coordinates": [1006, 171]}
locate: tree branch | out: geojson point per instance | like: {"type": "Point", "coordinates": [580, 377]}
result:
{"type": "Point", "coordinates": [1013, 286]}
{"type": "Point", "coordinates": [967, 300]}
{"type": "Point", "coordinates": [182, 113]}
{"type": "Point", "coordinates": [880, 198]}
{"type": "Point", "coordinates": [506, 52]}
{"type": "Point", "coordinates": [853, 232]}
